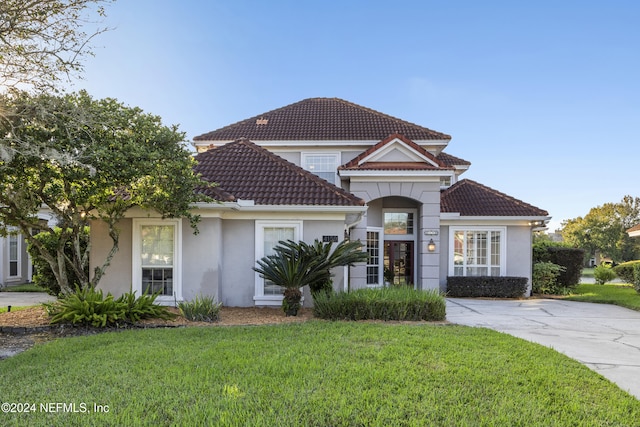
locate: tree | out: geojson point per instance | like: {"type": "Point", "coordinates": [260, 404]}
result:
{"type": "Point", "coordinates": [87, 159]}
{"type": "Point", "coordinates": [604, 229]}
{"type": "Point", "coordinates": [43, 41]}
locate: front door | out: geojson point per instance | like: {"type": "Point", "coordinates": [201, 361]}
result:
{"type": "Point", "coordinates": [398, 262]}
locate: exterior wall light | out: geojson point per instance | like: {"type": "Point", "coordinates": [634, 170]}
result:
{"type": "Point", "coordinates": [431, 246]}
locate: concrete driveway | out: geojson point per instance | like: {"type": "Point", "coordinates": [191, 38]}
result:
{"type": "Point", "coordinates": [606, 338]}
{"type": "Point", "coordinates": [18, 299]}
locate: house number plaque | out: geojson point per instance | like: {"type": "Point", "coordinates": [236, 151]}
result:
{"type": "Point", "coordinates": [326, 239]}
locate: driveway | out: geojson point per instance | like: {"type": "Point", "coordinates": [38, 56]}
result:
{"type": "Point", "coordinates": [18, 299]}
{"type": "Point", "coordinates": [606, 338]}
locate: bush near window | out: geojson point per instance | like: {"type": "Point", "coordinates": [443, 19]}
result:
{"type": "Point", "coordinates": [201, 309]}
{"type": "Point", "coordinates": [486, 286]}
{"type": "Point", "coordinates": [625, 271]}
{"type": "Point", "coordinates": [393, 303]}
{"type": "Point", "coordinates": [90, 307]}
{"type": "Point", "coordinates": [545, 279]}
{"type": "Point", "coordinates": [603, 274]}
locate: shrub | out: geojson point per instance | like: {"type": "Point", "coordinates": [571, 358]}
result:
{"type": "Point", "coordinates": [572, 259]}
{"type": "Point", "coordinates": [486, 286]}
{"type": "Point", "coordinates": [625, 271]}
{"type": "Point", "coordinates": [636, 277]}
{"type": "Point", "coordinates": [201, 309]}
{"type": "Point", "coordinates": [603, 274]}
{"type": "Point", "coordinates": [43, 276]}
{"type": "Point", "coordinates": [545, 278]}
{"type": "Point", "coordinates": [90, 307]}
{"type": "Point", "coordinates": [397, 303]}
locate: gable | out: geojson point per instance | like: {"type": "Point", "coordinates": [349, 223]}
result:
{"type": "Point", "coordinates": [396, 152]}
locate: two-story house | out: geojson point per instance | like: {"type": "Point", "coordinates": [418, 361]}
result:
{"type": "Point", "coordinates": [325, 169]}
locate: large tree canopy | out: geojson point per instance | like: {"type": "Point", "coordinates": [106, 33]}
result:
{"type": "Point", "coordinates": [87, 159]}
{"type": "Point", "coordinates": [604, 229]}
{"type": "Point", "coordinates": [43, 41]}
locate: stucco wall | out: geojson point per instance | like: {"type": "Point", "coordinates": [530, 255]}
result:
{"type": "Point", "coordinates": [201, 257]}
{"type": "Point", "coordinates": [237, 284]}
{"type": "Point", "coordinates": [117, 278]}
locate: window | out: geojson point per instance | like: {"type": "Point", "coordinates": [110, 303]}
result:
{"type": "Point", "coordinates": [374, 250]}
{"type": "Point", "coordinates": [14, 255]}
{"type": "Point", "coordinates": [445, 181]}
{"type": "Point", "coordinates": [156, 258]}
{"type": "Point", "coordinates": [268, 234]}
{"type": "Point", "coordinates": [398, 223]}
{"type": "Point", "coordinates": [478, 252]}
{"type": "Point", "coordinates": [322, 165]}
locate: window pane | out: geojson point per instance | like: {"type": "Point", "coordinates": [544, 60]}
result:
{"type": "Point", "coordinates": [323, 166]}
{"type": "Point", "coordinates": [157, 245]}
{"type": "Point", "coordinates": [476, 253]}
{"type": "Point", "coordinates": [13, 256]}
{"type": "Point", "coordinates": [398, 223]}
{"type": "Point", "coordinates": [373, 261]}
{"type": "Point", "coordinates": [157, 280]}
{"type": "Point", "coordinates": [157, 250]}
{"type": "Point", "coordinates": [273, 235]}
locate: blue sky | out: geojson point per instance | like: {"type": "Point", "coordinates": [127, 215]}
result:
{"type": "Point", "coordinates": [543, 98]}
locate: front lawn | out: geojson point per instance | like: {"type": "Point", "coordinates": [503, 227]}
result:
{"type": "Point", "coordinates": [311, 374]}
{"type": "Point", "coordinates": [620, 294]}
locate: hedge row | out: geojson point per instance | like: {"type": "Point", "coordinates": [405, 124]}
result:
{"type": "Point", "coordinates": [486, 286]}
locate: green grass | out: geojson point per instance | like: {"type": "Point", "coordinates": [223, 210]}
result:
{"type": "Point", "coordinates": [311, 374]}
{"type": "Point", "coordinates": [619, 294]}
{"type": "Point", "coordinates": [4, 309]}
{"type": "Point", "coordinates": [27, 287]}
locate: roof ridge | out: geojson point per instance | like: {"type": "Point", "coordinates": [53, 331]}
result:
{"type": "Point", "coordinates": [246, 127]}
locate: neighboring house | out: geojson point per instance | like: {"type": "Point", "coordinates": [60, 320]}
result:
{"type": "Point", "coordinates": [15, 266]}
{"type": "Point", "coordinates": [325, 169]}
{"type": "Point", "coordinates": [634, 231]}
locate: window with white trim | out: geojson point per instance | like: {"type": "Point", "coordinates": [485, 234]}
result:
{"type": "Point", "coordinates": [478, 251]}
{"type": "Point", "coordinates": [157, 257]}
{"type": "Point", "coordinates": [374, 252]}
{"type": "Point", "coordinates": [325, 165]}
{"type": "Point", "coordinates": [268, 235]}
{"type": "Point", "coordinates": [14, 255]}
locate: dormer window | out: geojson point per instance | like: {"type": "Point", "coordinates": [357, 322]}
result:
{"type": "Point", "coordinates": [324, 165]}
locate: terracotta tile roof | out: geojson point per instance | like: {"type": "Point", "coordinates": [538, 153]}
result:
{"type": "Point", "coordinates": [316, 119]}
{"type": "Point", "coordinates": [472, 199]}
{"type": "Point", "coordinates": [449, 160]}
{"type": "Point", "coordinates": [354, 163]}
{"type": "Point", "coordinates": [244, 170]}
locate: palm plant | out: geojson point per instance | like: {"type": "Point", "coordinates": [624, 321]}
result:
{"type": "Point", "coordinates": [295, 265]}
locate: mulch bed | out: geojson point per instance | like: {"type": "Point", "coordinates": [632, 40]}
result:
{"type": "Point", "coordinates": [20, 330]}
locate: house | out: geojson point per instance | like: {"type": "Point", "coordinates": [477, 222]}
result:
{"type": "Point", "coordinates": [16, 267]}
{"type": "Point", "coordinates": [634, 231]}
{"type": "Point", "coordinates": [14, 261]}
{"type": "Point", "coordinates": [327, 169]}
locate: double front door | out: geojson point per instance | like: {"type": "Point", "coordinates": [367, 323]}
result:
{"type": "Point", "coordinates": [398, 262]}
